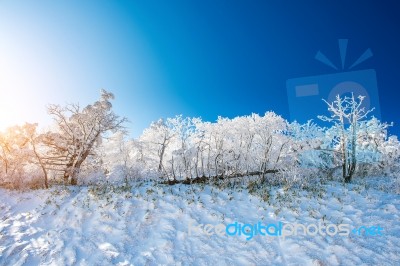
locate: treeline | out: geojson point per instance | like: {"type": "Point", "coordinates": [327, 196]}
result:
{"type": "Point", "coordinates": [91, 144]}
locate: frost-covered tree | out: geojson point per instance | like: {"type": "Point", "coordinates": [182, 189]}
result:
{"type": "Point", "coordinates": [14, 153]}
{"type": "Point", "coordinates": [346, 115]}
{"type": "Point", "coordinates": [169, 147]}
{"type": "Point", "coordinates": [21, 155]}
{"type": "Point", "coordinates": [157, 139]}
{"type": "Point", "coordinates": [306, 145]}
{"type": "Point", "coordinates": [78, 131]}
{"type": "Point", "coordinates": [121, 158]}
{"type": "Point", "coordinates": [271, 142]}
{"type": "Point", "coordinates": [183, 157]}
{"type": "Point", "coordinates": [29, 132]}
{"type": "Point", "coordinates": [188, 148]}
{"type": "Point", "coordinates": [390, 160]}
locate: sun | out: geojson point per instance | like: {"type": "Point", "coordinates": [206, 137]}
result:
{"type": "Point", "coordinates": [21, 91]}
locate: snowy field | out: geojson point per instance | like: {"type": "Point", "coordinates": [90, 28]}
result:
{"type": "Point", "coordinates": [149, 225]}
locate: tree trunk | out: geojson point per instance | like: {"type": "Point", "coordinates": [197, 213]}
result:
{"type": "Point", "coordinates": [74, 180]}
{"type": "Point", "coordinates": [46, 184]}
{"type": "Point", "coordinates": [160, 165]}
{"type": "Point", "coordinates": [66, 176]}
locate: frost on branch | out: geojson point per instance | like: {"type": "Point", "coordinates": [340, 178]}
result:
{"type": "Point", "coordinates": [79, 130]}
{"type": "Point", "coordinates": [347, 114]}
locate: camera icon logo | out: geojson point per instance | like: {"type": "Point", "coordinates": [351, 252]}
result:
{"type": "Point", "coordinates": [305, 94]}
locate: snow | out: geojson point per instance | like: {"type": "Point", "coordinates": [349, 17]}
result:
{"type": "Point", "coordinates": [149, 225]}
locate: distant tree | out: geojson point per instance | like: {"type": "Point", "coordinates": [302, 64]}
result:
{"type": "Point", "coordinates": [78, 130]}
{"type": "Point", "coordinates": [157, 139]}
{"type": "Point", "coordinates": [183, 157]}
{"type": "Point", "coordinates": [20, 155]}
{"type": "Point", "coordinates": [120, 155]}
{"type": "Point", "coordinates": [29, 132]}
{"type": "Point", "coordinates": [14, 151]}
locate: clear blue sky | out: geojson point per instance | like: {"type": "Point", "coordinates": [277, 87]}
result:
{"type": "Point", "coordinates": [196, 58]}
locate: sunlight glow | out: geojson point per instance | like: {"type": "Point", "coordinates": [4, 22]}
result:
{"type": "Point", "coordinates": [18, 101]}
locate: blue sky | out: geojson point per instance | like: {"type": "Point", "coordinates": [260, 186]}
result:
{"type": "Point", "coordinates": [196, 58]}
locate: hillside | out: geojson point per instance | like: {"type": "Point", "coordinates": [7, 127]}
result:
{"type": "Point", "coordinates": [150, 224]}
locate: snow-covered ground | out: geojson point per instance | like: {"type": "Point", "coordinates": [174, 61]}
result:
{"type": "Point", "coordinates": [150, 226]}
